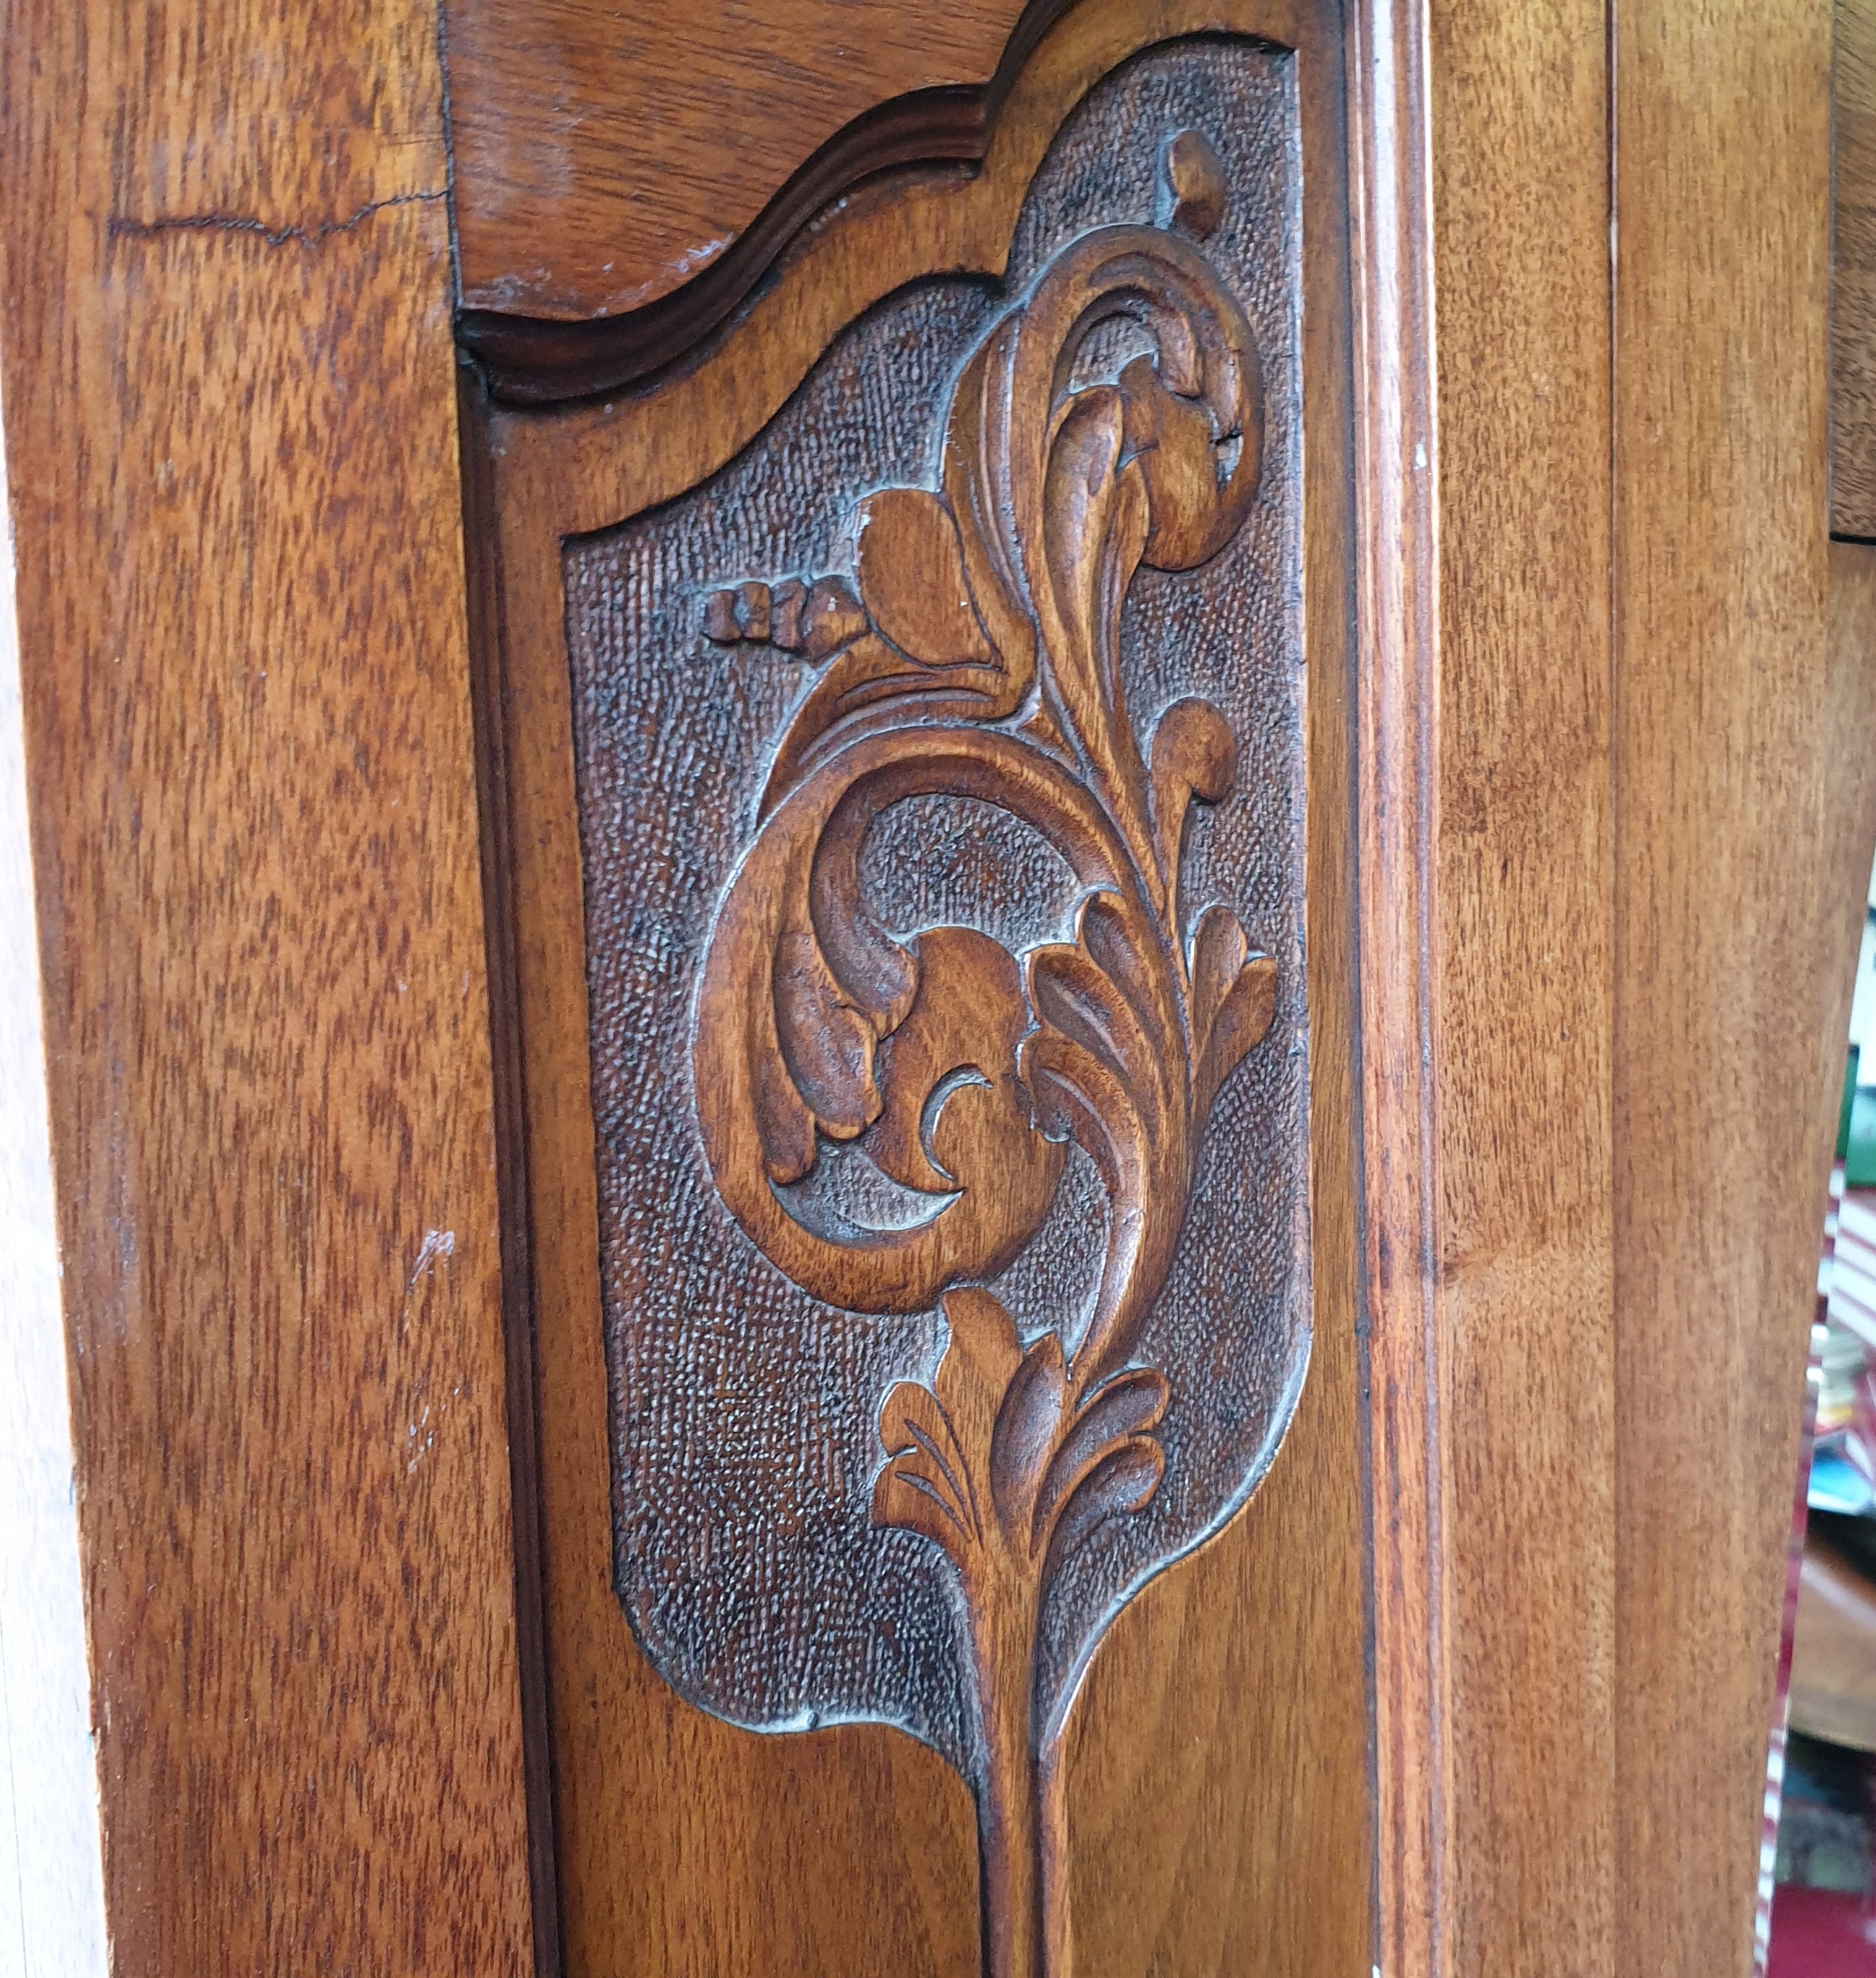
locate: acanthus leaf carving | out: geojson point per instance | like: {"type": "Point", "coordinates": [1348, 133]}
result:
{"type": "Point", "coordinates": [978, 655]}
{"type": "Point", "coordinates": [997, 1464]}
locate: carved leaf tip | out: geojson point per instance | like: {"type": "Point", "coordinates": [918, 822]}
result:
{"type": "Point", "coordinates": [911, 566]}
{"type": "Point", "coordinates": [1116, 1419]}
{"type": "Point", "coordinates": [1233, 998]}
{"type": "Point", "coordinates": [1194, 754]}
{"type": "Point", "coordinates": [999, 1452]}
{"type": "Point", "coordinates": [826, 1043]}
{"type": "Point", "coordinates": [926, 1485]}
{"type": "Point", "coordinates": [1124, 1483]}
{"type": "Point", "coordinates": [1192, 185]}
{"type": "Point", "coordinates": [936, 1481]}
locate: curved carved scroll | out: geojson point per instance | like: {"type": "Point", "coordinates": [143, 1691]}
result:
{"type": "Point", "coordinates": [977, 654]}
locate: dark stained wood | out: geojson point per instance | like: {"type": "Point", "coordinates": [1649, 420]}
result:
{"type": "Point", "coordinates": [231, 433]}
{"type": "Point", "coordinates": [1231, 1692]}
{"type": "Point", "coordinates": [1240, 1674]}
{"type": "Point", "coordinates": [1853, 272]}
{"type": "Point", "coordinates": [1616, 811]}
{"type": "Point", "coordinates": [1742, 781]}
{"type": "Point", "coordinates": [622, 177]}
{"type": "Point", "coordinates": [515, 1235]}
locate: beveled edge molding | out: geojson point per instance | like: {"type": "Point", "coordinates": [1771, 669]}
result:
{"type": "Point", "coordinates": [543, 360]}
{"type": "Point", "coordinates": [481, 525]}
{"type": "Point", "coordinates": [630, 453]}
{"type": "Point", "coordinates": [820, 275]}
{"type": "Point", "coordinates": [1397, 553]}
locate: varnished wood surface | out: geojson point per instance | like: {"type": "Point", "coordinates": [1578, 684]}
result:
{"type": "Point", "coordinates": [939, 674]}
{"type": "Point", "coordinates": [1523, 921]}
{"type": "Point", "coordinates": [1232, 1693]}
{"type": "Point", "coordinates": [1397, 589]}
{"type": "Point", "coordinates": [229, 416]}
{"type": "Point", "coordinates": [227, 404]}
{"type": "Point", "coordinates": [1229, 1698]}
{"type": "Point", "coordinates": [605, 158]}
{"type": "Point", "coordinates": [903, 223]}
{"type": "Point", "coordinates": [1853, 272]}
{"type": "Point", "coordinates": [1742, 781]}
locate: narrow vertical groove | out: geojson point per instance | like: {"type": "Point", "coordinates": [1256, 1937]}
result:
{"type": "Point", "coordinates": [1612, 875]}
{"type": "Point", "coordinates": [482, 567]}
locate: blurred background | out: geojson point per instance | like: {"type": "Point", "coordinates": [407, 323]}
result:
{"type": "Point", "coordinates": [1817, 1913]}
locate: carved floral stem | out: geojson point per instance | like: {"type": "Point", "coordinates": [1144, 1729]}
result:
{"type": "Point", "coordinates": [1003, 1629]}
{"type": "Point", "coordinates": [1008, 1469]}
{"type": "Point", "coordinates": [979, 659]}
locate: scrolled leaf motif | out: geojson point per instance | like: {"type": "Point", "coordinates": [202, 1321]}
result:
{"type": "Point", "coordinates": [978, 656]}
{"type": "Point", "coordinates": [983, 662]}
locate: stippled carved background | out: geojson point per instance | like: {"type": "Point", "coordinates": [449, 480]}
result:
{"type": "Point", "coordinates": [744, 1415]}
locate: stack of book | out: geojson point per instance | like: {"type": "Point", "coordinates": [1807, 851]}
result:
{"type": "Point", "coordinates": [1847, 1278]}
{"type": "Point", "coordinates": [1846, 1409]}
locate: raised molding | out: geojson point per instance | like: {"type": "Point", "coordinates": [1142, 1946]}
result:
{"type": "Point", "coordinates": [1396, 494]}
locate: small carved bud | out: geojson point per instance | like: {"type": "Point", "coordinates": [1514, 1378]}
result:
{"type": "Point", "coordinates": [831, 618]}
{"type": "Point", "coordinates": [786, 602]}
{"type": "Point", "coordinates": [719, 618]}
{"type": "Point", "coordinates": [789, 616]}
{"type": "Point", "coordinates": [751, 611]}
{"type": "Point", "coordinates": [1192, 189]}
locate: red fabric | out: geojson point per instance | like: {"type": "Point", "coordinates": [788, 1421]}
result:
{"type": "Point", "coordinates": [1816, 1933]}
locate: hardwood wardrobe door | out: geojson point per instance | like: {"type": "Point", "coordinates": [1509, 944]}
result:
{"type": "Point", "coordinates": [1157, 704]}
{"type": "Point", "coordinates": [235, 502]}
{"type": "Point", "coordinates": [919, 726]}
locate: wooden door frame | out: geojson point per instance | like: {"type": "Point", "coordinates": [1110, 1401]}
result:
{"type": "Point", "coordinates": [233, 448]}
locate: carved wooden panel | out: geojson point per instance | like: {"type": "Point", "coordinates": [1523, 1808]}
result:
{"type": "Point", "coordinates": [906, 824]}
{"type": "Point", "coordinates": [943, 906]}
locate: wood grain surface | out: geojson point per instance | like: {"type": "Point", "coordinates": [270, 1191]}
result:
{"type": "Point", "coordinates": [230, 427]}
{"type": "Point", "coordinates": [1229, 1696]}
{"type": "Point", "coordinates": [1397, 464]}
{"type": "Point", "coordinates": [1071, 1437]}
{"type": "Point", "coordinates": [605, 157]}
{"type": "Point", "coordinates": [1638, 809]}
{"type": "Point", "coordinates": [1853, 270]}
{"type": "Point", "coordinates": [1742, 783]}
{"type": "Point", "coordinates": [1522, 923]}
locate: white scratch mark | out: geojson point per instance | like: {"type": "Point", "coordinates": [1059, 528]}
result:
{"type": "Point", "coordinates": [420, 1436]}
{"type": "Point", "coordinates": [437, 1243]}
{"type": "Point", "coordinates": [693, 258]}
